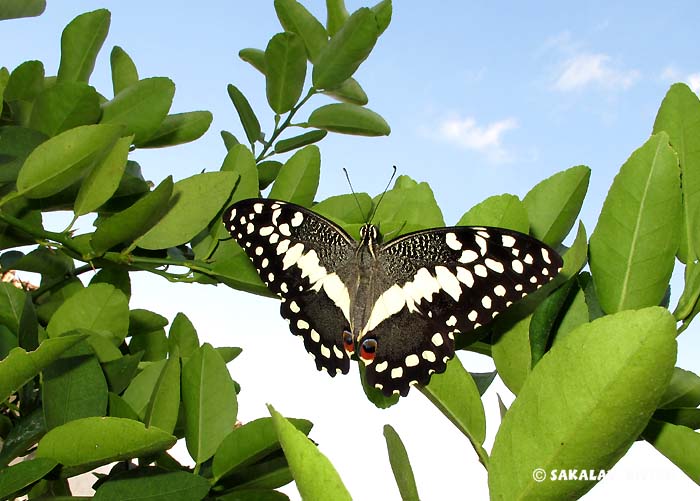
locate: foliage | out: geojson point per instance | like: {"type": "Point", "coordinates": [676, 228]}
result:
{"type": "Point", "coordinates": [590, 356]}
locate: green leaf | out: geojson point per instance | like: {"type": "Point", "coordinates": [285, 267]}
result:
{"type": "Point", "coordinates": [12, 302]}
{"type": "Point", "coordinates": [196, 201]}
{"type": "Point", "coordinates": [576, 256]}
{"type": "Point", "coordinates": [4, 78]}
{"type": "Point", "coordinates": [679, 444]}
{"type": "Point", "coordinates": [254, 57]}
{"type": "Point", "coordinates": [81, 41]}
{"type": "Point", "coordinates": [352, 208]}
{"type": "Point", "coordinates": [86, 443]}
{"type": "Point", "coordinates": [14, 9]}
{"type": "Point", "coordinates": [25, 433]}
{"type": "Point", "coordinates": [229, 139]}
{"type": "Point", "coordinates": [400, 465]}
{"type": "Point", "coordinates": [267, 172]}
{"type": "Point", "coordinates": [349, 91]}
{"type": "Point", "coordinates": [584, 404]}
{"type": "Point", "coordinates": [119, 408]}
{"type": "Point", "coordinates": [383, 11]}
{"type": "Point", "coordinates": [16, 477]}
{"type": "Point", "coordinates": [124, 73]}
{"type": "Point", "coordinates": [209, 399]}
{"type": "Point", "coordinates": [21, 366]}
{"type": "Point", "coordinates": [232, 267]}
{"type": "Point", "coordinates": [691, 292]}
{"type": "Point", "coordinates": [153, 484]}
{"type": "Point", "coordinates": [183, 336]}
{"type": "Point", "coordinates": [554, 204]}
{"type": "Point", "coordinates": [140, 107]}
{"type": "Point", "coordinates": [99, 308]}
{"type": "Point", "coordinates": [28, 329]}
{"type": "Point", "coordinates": [633, 246]}
{"type": "Point", "coordinates": [121, 371]}
{"type": "Point", "coordinates": [294, 17]}
{"type": "Point", "coordinates": [408, 206]}
{"type": "Point", "coordinates": [501, 211]}
{"type": "Point", "coordinates": [16, 143]}
{"type": "Point", "coordinates": [153, 344]}
{"type": "Point", "coordinates": [483, 380]}
{"type": "Point", "coordinates": [250, 123]}
{"type": "Point", "coordinates": [455, 394]}
{"type": "Point", "coordinates": [25, 83]}
{"type": "Point", "coordinates": [683, 416]}
{"type": "Point", "coordinates": [179, 128]}
{"type": "Point", "coordinates": [250, 443]}
{"type": "Point", "coordinates": [142, 321]}
{"type": "Point", "coordinates": [313, 473]}
{"type": "Point", "coordinates": [285, 60]}
{"type": "Point", "coordinates": [348, 118]}
{"type": "Point", "coordinates": [129, 224]}
{"type": "Point", "coordinates": [682, 391]}
{"type": "Point", "coordinates": [348, 48]}
{"type": "Point", "coordinates": [576, 314]}
{"type": "Point", "coordinates": [679, 117]}
{"type": "Point", "coordinates": [253, 495]}
{"type": "Point", "coordinates": [228, 353]}
{"type": "Point", "coordinates": [164, 404]}
{"type": "Point", "coordinates": [60, 161]}
{"type": "Point", "coordinates": [544, 320]}
{"type": "Point", "coordinates": [103, 180]}
{"type": "Point", "coordinates": [115, 275]}
{"type": "Point", "coordinates": [511, 354]}
{"type": "Point", "coordinates": [295, 142]}
{"type": "Point", "coordinates": [337, 14]}
{"type": "Point", "coordinates": [239, 160]}
{"type": "Point", "coordinates": [65, 106]}
{"type": "Point", "coordinates": [138, 394]}
{"type": "Point", "coordinates": [73, 387]}
{"type": "Point", "coordinates": [297, 180]}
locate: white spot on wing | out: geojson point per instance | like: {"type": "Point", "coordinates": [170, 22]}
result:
{"type": "Point", "coordinates": [396, 372]}
{"type": "Point", "coordinates": [481, 243]}
{"type": "Point", "coordinates": [266, 230]}
{"type": "Point", "coordinates": [412, 360]}
{"type": "Point", "coordinates": [258, 208]}
{"type": "Point", "coordinates": [302, 324]}
{"type": "Point", "coordinates": [508, 241]}
{"type": "Point", "coordinates": [428, 355]}
{"type": "Point", "coordinates": [297, 219]}
{"type": "Point", "coordinates": [468, 256]}
{"type": "Point", "coordinates": [480, 270]}
{"type": "Point", "coordinates": [517, 266]}
{"type": "Point", "coordinates": [292, 255]}
{"type": "Point", "coordinates": [494, 265]}
{"type": "Point", "coordinates": [315, 336]}
{"type": "Point", "coordinates": [437, 339]}
{"type": "Point", "coordinates": [448, 282]}
{"type": "Point", "coordinates": [499, 290]}
{"type": "Point", "coordinates": [452, 321]}
{"type": "Point", "coordinates": [486, 302]}
{"type": "Point", "coordinates": [325, 352]}
{"type": "Point", "coordinates": [381, 367]}
{"type": "Point", "coordinates": [282, 247]}
{"type": "Point", "coordinates": [294, 307]}
{"type": "Point", "coordinates": [284, 230]}
{"type": "Point", "coordinates": [545, 256]}
{"type": "Point", "coordinates": [465, 276]}
{"type": "Point", "coordinates": [452, 242]}
{"type": "Point", "coordinates": [337, 352]}
{"type": "Point", "coordinates": [472, 315]}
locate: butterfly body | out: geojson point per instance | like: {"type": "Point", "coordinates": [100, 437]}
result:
{"type": "Point", "coordinates": [396, 305]}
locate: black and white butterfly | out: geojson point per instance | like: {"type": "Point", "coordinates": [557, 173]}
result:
{"type": "Point", "coordinates": [398, 304]}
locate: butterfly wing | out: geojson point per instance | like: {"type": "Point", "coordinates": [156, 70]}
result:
{"type": "Point", "coordinates": [445, 281]}
{"type": "Point", "coordinates": [296, 253]}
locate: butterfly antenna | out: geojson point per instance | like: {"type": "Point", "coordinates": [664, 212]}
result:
{"type": "Point", "coordinates": [352, 190]}
{"type": "Point", "coordinates": [383, 193]}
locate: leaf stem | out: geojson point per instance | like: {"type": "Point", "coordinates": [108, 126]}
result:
{"type": "Point", "coordinates": [287, 121]}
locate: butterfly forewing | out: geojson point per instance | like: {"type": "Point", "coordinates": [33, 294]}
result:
{"type": "Point", "coordinates": [446, 281]}
{"type": "Point", "coordinates": [295, 252]}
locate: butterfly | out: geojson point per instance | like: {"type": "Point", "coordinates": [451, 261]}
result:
{"type": "Point", "coordinates": [396, 306]}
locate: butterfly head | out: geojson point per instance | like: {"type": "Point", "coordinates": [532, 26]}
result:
{"type": "Point", "coordinates": [369, 235]}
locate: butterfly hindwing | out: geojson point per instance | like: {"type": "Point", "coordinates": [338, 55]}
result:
{"type": "Point", "coordinates": [446, 281]}
{"type": "Point", "coordinates": [295, 252]}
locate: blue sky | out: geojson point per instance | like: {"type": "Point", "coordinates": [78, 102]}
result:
{"type": "Point", "coordinates": [483, 98]}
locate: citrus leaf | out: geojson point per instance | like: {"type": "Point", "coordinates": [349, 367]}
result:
{"type": "Point", "coordinates": [584, 404]}
{"type": "Point", "coordinates": [633, 246]}
{"type": "Point", "coordinates": [134, 221]}
{"type": "Point", "coordinates": [400, 465]}
{"type": "Point", "coordinates": [295, 18]}
{"type": "Point", "coordinates": [297, 180]}
{"type": "Point", "coordinates": [254, 57]}
{"type": "Point", "coordinates": [81, 41]}
{"type": "Point", "coordinates": [347, 118]}
{"type": "Point", "coordinates": [140, 107]}
{"type": "Point", "coordinates": [179, 128]}
{"type": "Point", "coordinates": [250, 123]}
{"type": "Point", "coordinates": [348, 48]}
{"type": "Point", "coordinates": [60, 161]}
{"type": "Point", "coordinates": [196, 200]}
{"type": "Point", "coordinates": [124, 73]}
{"type": "Point", "coordinates": [103, 180]}
{"type": "Point", "coordinates": [209, 399]}
{"type": "Point", "coordinates": [18, 476]}
{"type": "Point", "coordinates": [554, 204]}
{"type": "Point", "coordinates": [164, 404]}
{"type": "Point", "coordinates": [313, 473]}
{"type": "Point", "coordinates": [349, 91]}
{"type": "Point", "coordinates": [679, 117]}
{"type": "Point", "coordinates": [337, 14]}
{"type": "Point", "coordinates": [64, 106]}
{"type": "Point", "coordinates": [679, 444]}
{"type": "Point", "coordinates": [21, 366]}
{"type": "Point", "coordinates": [298, 141]}
{"type": "Point", "coordinates": [153, 484]}
{"type": "Point", "coordinates": [15, 9]}
{"type": "Point", "coordinates": [501, 211]}
{"type": "Point", "coordinates": [93, 441]}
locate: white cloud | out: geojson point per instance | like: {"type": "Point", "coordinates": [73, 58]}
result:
{"type": "Point", "coordinates": [694, 81]}
{"type": "Point", "coordinates": [587, 69]}
{"type": "Point", "coordinates": [486, 139]}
